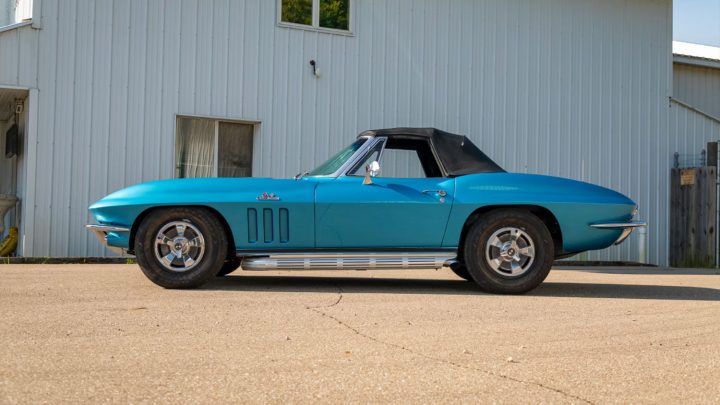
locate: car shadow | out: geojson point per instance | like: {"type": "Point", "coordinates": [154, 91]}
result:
{"type": "Point", "coordinates": [642, 270]}
{"type": "Point", "coordinates": [299, 283]}
{"type": "Point", "coordinates": [244, 282]}
{"type": "Point", "coordinates": [627, 291]}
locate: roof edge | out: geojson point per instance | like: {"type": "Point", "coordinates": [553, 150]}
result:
{"type": "Point", "coordinates": [696, 61]}
{"type": "Point", "coordinates": [696, 54]}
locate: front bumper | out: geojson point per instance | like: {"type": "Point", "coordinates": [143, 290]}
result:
{"type": "Point", "coordinates": [627, 228]}
{"type": "Point", "coordinates": [102, 231]}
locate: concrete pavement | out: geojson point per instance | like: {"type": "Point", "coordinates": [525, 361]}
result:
{"type": "Point", "coordinates": [104, 333]}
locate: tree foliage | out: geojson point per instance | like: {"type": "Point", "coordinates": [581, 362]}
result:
{"type": "Point", "coordinates": [297, 11]}
{"type": "Point", "coordinates": [334, 14]}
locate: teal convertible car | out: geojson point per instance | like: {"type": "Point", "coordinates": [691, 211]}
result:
{"type": "Point", "coordinates": [395, 198]}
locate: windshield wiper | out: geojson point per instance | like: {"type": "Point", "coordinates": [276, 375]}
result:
{"type": "Point", "coordinates": [301, 175]}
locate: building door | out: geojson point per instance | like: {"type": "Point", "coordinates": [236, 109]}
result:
{"type": "Point", "coordinates": [213, 148]}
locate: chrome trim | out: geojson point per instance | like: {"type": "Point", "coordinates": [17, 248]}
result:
{"type": "Point", "coordinates": [441, 193]}
{"type": "Point", "coordinates": [510, 252]}
{"type": "Point", "coordinates": [178, 250]}
{"type": "Point", "coordinates": [615, 225]}
{"type": "Point", "coordinates": [348, 261]}
{"type": "Point", "coordinates": [627, 227]}
{"type": "Point", "coordinates": [101, 232]}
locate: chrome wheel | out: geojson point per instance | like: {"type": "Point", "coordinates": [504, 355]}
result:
{"type": "Point", "coordinates": [510, 252]}
{"type": "Point", "coordinates": [179, 246]}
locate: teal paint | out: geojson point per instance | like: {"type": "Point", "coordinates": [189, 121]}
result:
{"type": "Point", "coordinates": [342, 213]}
{"type": "Point", "coordinates": [388, 213]}
{"type": "Point", "coordinates": [268, 225]}
{"type": "Point", "coordinates": [284, 225]}
{"type": "Point", "coordinates": [252, 225]}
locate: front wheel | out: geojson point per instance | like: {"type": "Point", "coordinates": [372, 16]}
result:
{"type": "Point", "coordinates": [229, 266]}
{"type": "Point", "coordinates": [509, 251]}
{"type": "Point", "coordinates": [181, 247]}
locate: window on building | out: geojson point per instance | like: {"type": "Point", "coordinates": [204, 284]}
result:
{"type": "Point", "coordinates": [15, 11]}
{"type": "Point", "coordinates": [207, 147]}
{"type": "Point", "coordinates": [324, 14]}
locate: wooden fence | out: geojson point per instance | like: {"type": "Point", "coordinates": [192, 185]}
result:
{"type": "Point", "coordinates": [692, 217]}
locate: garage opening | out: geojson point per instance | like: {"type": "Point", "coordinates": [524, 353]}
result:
{"type": "Point", "coordinates": [12, 134]}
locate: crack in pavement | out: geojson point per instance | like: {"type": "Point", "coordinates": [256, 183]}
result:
{"type": "Point", "coordinates": [340, 297]}
{"type": "Point", "coordinates": [317, 309]}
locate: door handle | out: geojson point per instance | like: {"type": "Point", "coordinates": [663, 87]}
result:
{"type": "Point", "coordinates": [441, 193]}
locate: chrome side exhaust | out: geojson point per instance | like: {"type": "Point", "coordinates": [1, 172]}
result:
{"type": "Point", "coordinates": [347, 261]}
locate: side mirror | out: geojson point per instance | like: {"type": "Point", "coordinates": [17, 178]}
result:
{"type": "Point", "coordinates": [371, 170]}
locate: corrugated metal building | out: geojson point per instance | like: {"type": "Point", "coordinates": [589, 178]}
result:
{"type": "Point", "coordinates": [578, 88]}
{"type": "Point", "coordinates": [696, 81]}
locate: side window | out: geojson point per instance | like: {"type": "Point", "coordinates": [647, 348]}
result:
{"type": "Point", "coordinates": [409, 158]}
{"type": "Point", "coordinates": [406, 158]}
{"type": "Point", "coordinates": [401, 163]}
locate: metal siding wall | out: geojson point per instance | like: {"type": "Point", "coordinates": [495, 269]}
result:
{"type": "Point", "coordinates": [698, 87]}
{"type": "Point", "coordinates": [571, 88]}
{"type": "Point", "coordinates": [18, 53]}
{"type": "Point", "coordinates": [38, 234]}
{"type": "Point", "coordinates": [9, 56]}
{"type": "Point", "coordinates": [691, 130]}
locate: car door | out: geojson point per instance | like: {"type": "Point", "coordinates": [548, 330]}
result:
{"type": "Point", "coordinates": [392, 212]}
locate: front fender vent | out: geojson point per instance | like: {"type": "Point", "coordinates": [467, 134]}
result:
{"type": "Point", "coordinates": [273, 228]}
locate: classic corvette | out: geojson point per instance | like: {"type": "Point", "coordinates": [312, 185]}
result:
{"type": "Point", "coordinates": [437, 201]}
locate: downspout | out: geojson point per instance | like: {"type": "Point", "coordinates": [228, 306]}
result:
{"type": "Point", "coordinates": [642, 250]}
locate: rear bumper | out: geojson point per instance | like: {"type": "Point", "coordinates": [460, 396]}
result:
{"type": "Point", "coordinates": [627, 228]}
{"type": "Point", "coordinates": [102, 232]}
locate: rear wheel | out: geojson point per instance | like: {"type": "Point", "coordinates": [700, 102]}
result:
{"type": "Point", "coordinates": [508, 251]}
{"type": "Point", "coordinates": [181, 247]}
{"type": "Point", "coordinates": [461, 271]}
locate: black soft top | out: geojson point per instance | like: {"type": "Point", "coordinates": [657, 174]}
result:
{"type": "Point", "coordinates": [458, 155]}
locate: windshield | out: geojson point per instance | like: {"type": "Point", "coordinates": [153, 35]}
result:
{"type": "Point", "coordinates": [334, 163]}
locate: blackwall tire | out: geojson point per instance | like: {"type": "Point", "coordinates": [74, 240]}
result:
{"type": "Point", "coordinates": [180, 247]}
{"type": "Point", "coordinates": [508, 251]}
{"type": "Point", "coordinates": [461, 271]}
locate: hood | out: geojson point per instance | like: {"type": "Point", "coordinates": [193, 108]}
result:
{"type": "Point", "coordinates": [199, 191]}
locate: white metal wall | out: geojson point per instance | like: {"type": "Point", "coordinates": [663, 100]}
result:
{"type": "Point", "coordinates": [18, 57]}
{"type": "Point", "coordinates": [698, 86]}
{"type": "Point", "coordinates": [576, 88]}
{"type": "Point", "coordinates": [688, 128]}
